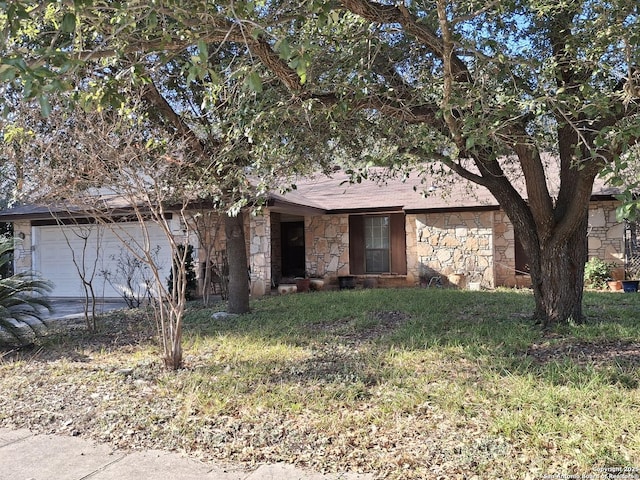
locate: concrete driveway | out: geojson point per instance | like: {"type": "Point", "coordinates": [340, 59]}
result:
{"type": "Point", "coordinates": [74, 307]}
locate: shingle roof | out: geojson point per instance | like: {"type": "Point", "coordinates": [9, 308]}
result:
{"type": "Point", "coordinates": [416, 193]}
{"type": "Point", "coordinates": [334, 193]}
{"type": "Point", "coordinates": [115, 204]}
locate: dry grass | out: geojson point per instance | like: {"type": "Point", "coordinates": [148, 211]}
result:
{"type": "Point", "coordinates": [403, 383]}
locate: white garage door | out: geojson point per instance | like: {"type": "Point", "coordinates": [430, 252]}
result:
{"type": "Point", "coordinates": [98, 251]}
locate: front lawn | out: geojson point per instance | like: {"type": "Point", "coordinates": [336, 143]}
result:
{"type": "Point", "coordinates": [408, 383]}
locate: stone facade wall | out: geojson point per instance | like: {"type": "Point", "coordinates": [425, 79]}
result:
{"type": "Point", "coordinates": [209, 231]}
{"type": "Point", "coordinates": [456, 246]}
{"type": "Point", "coordinates": [413, 261]}
{"type": "Point", "coordinates": [23, 255]}
{"type": "Point", "coordinates": [327, 245]}
{"type": "Point", "coordinates": [259, 242]}
{"type": "Point", "coordinates": [257, 230]}
{"type": "Point", "coordinates": [276, 247]}
{"type": "Point", "coordinates": [460, 247]}
{"type": "Point", "coordinates": [327, 253]}
{"type": "Point", "coordinates": [504, 253]}
{"type": "Point", "coordinates": [606, 235]}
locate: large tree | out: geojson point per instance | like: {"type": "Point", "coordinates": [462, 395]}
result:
{"type": "Point", "coordinates": [508, 95]}
{"type": "Point", "coordinates": [486, 89]}
{"type": "Point", "coordinates": [101, 56]}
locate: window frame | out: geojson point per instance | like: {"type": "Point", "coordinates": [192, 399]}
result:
{"type": "Point", "coordinates": [384, 238]}
{"type": "Point", "coordinates": [397, 244]}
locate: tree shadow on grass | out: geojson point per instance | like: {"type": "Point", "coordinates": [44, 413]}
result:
{"type": "Point", "coordinates": [494, 329]}
{"type": "Point", "coordinates": [69, 339]}
{"type": "Point", "coordinates": [569, 362]}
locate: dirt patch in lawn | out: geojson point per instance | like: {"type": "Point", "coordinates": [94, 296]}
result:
{"type": "Point", "coordinates": [600, 353]}
{"type": "Point", "coordinates": [371, 327]}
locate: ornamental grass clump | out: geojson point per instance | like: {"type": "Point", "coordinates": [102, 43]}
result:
{"type": "Point", "coordinates": [23, 300]}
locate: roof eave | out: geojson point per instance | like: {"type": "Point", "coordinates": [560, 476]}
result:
{"type": "Point", "coordinates": [467, 208]}
{"type": "Point", "coordinates": [279, 205]}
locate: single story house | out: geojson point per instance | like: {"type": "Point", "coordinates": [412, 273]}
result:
{"type": "Point", "coordinates": [408, 231]}
{"type": "Point", "coordinates": [386, 233]}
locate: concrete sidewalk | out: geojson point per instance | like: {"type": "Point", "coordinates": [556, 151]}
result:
{"type": "Point", "coordinates": [25, 456]}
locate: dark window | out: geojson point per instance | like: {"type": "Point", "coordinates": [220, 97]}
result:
{"type": "Point", "coordinates": [377, 244]}
{"type": "Point", "coordinates": [292, 249]}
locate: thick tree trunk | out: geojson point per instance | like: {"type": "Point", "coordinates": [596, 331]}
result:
{"type": "Point", "coordinates": [557, 275]}
{"type": "Point", "coordinates": [237, 257]}
{"type": "Point", "coordinates": [554, 234]}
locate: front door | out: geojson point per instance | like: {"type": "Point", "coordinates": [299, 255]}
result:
{"type": "Point", "coordinates": [292, 249]}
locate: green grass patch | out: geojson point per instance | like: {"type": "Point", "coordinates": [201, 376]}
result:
{"type": "Point", "coordinates": [408, 383]}
{"type": "Point", "coordinates": [565, 401]}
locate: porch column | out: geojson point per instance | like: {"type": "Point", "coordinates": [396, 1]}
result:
{"type": "Point", "coordinates": [260, 253]}
{"type": "Point", "coordinates": [22, 255]}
